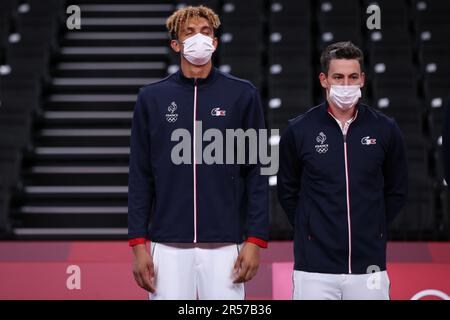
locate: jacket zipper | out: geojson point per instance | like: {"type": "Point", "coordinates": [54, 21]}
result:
{"type": "Point", "coordinates": [347, 192]}
{"type": "Point", "coordinates": [195, 160]}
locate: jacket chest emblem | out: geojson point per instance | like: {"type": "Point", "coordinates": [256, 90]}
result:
{"type": "Point", "coordinates": [171, 116]}
{"type": "Point", "coordinates": [321, 147]}
{"type": "Point", "coordinates": [217, 112]}
{"type": "Point", "coordinates": [368, 141]}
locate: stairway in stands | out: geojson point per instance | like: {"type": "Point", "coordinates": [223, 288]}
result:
{"type": "Point", "coordinates": [75, 180]}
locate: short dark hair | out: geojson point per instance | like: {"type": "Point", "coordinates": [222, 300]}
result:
{"type": "Point", "coordinates": [340, 50]}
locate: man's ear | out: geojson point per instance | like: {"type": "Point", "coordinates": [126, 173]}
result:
{"type": "Point", "coordinates": [323, 80]}
{"type": "Point", "coordinates": [215, 42]}
{"type": "Point", "coordinates": [175, 45]}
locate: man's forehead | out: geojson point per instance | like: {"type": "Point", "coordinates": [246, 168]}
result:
{"type": "Point", "coordinates": [344, 66]}
{"type": "Point", "coordinates": [196, 22]}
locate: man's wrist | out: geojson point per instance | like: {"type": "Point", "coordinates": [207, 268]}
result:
{"type": "Point", "coordinates": [139, 249]}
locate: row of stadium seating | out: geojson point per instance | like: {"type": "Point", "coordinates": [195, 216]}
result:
{"type": "Point", "coordinates": [28, 37]}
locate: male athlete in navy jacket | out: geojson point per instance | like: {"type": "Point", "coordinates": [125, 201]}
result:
{"type": "Point", "coordinates": [342, 180]}
{"type": "Point", "coordinates": [199, 213]}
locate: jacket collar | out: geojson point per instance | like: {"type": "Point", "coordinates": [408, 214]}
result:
{"type": "Point", "coordinates": [360, 110]}
{"type": "Point", "coordinates": [181, 78]}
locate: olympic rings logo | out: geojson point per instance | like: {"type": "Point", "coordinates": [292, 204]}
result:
{"type": "Point", "coordinates": [322, 148]}
{"type": "Point", "coordinates": [171, 117]}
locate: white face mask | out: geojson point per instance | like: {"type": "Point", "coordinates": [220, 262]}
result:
{"type": "Point", "coordinates": [198, 49]}
{"type": "Point", "coordinates": [345, 97]}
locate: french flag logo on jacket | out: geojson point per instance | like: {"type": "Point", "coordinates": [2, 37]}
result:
{"type": "Point", "coordinates": [216, 112]}
{"type": "Point", "coordinates": [367, 141]}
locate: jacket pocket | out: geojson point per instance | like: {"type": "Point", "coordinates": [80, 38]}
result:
{"type": "Point", "coordinates": [236, 188]}
{"type": "Point", "coordinates": [234, 182]}
{"type": "Point", "coordinates": [382, 227]}
{"type": "Point", "coordinates": [310, 228]}
{"type": "Point", "coordinates": [307, 214]}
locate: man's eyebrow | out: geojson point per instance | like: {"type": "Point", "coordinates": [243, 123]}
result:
{"type": "Point", "coordinates": [341, 74]}
{"type": "Point", "coordinates": [192, 28]}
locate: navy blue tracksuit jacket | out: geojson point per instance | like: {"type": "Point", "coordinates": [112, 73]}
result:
{"type": "Point", "coordinates": [340, 192]}
{"type": "Point", "coordinates": [170, 202]}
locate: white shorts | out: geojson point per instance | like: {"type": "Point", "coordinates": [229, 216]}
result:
{"type": "Point", "coordinates": [322, 286]}
{"type": "Point", "coordinates": [188, 271]}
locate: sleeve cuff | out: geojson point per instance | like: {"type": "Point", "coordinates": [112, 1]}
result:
{"type": "Point", "coordinates": [136, 241]}
{"type": "Point", "coordinates": [259, 242]}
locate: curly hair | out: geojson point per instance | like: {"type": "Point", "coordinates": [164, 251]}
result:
{"type": "Point", "coordinates": [176, 20]}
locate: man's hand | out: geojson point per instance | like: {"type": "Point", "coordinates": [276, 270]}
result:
{"type": "Point", "coordinates": [143, 269]}
{"type": "Point", "coordinates": [247, 263]}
